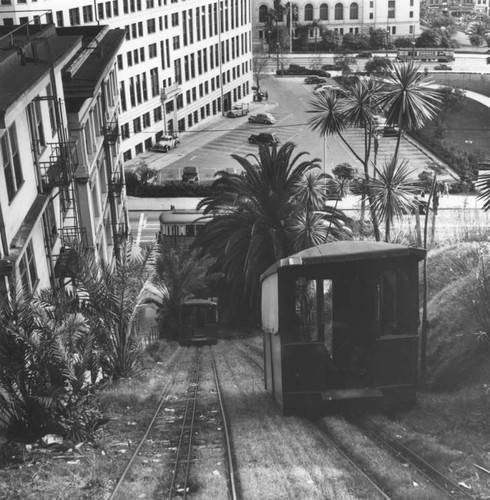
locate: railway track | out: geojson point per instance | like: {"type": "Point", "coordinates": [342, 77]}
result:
{"type": "Point", "coordinates": [442, 483]}
{"type": "Point", "coordinates": [398, 449]}
{"type": "Point", "coordinates": [185, 410]}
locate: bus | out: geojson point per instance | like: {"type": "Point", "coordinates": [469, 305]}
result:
{"type": "Point", "coordinates": [425, 54]}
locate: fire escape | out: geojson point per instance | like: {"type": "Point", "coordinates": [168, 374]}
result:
{"type": "Point", "coordinates": [110, 131]}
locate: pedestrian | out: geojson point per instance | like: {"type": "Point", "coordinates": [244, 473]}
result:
{"type": "Point", "coordinates": [446, 189]}
{"type": "Point", "coordinates": [266, 95]}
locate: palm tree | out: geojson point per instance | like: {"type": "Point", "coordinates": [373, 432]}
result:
{"type": "Point", "coordinates": [392, 191]}
{"type": "Point", "coordinates": [274, 208]}
{"type": "Point", "coordinates": [357, 107]}
{"type": "Point", "coordinates": [408, 98]}
{"type": "Point", "coordinates": [177, 274]}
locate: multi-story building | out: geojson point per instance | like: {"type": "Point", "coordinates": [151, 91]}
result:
{"type": "Point", "coordinates": [460, 7]}
{"type": "Point", "coordinates": [62, 170]}
{"type": "Point", "coordinates": [398, 17]}
{"type": "Point", "coordinates": [182, 61]}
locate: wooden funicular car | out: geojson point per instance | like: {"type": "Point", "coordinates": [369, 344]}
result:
{"type": "Point", "coordinates": [340, 325]}
{"type": "Point", "coordinates": [198, 322]}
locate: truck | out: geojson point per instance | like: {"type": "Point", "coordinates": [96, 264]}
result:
{"type": "Point", "coordinates": [238, 110]}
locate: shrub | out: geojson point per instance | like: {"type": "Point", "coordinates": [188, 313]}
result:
{"type": "Point", "coordinates": [301, 70]}
{"type": "Point", "coordinates": [169, 190]}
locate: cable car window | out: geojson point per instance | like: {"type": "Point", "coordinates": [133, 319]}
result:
{"type": "Point", "coordinates": [190, 230]}
{"type": "Point", "coordinates": [387, 303]}
{"type": "Point", "coordinates": [313, 310]}
{"type": "Point", "coordinates": [210, 315]}
{"type": "Point", "coordinates": [186, 315]}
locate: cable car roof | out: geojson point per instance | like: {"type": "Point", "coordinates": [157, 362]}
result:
{"type": "Point", "coordinates": [345, 251]}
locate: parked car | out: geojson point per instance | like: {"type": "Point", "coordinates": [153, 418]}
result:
{"type": "Point", "coordinates": [259, 95]}
{"type": "Point", "coordinates": [315, 79]}
{"type": "Point", "coordinates": [166, 143]}
{"type": "Point", "coordinates": [266, 118]}
{"type": "Point", "coordinates": [190, 175]}
{"type": "Point", "coordinates": [443, 67]}
{"type": "Point", "coordinates": [238, 110]}
{"type": "Point", "coordinates": [263, 138]}
{"type": "Point", "coordinates": [324, 88]}
{"type": "Point", "coordinates": [390, 131]}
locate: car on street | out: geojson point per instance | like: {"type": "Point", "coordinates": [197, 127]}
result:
{"type": "Point", "coordinates": [390, 131]}
{"type": "Point", "coordinates": [364, 55]}
{"type": "Point", "coordinates": [264, 138]}
{"type": "Point", "coordinates": [443, 67]}
{"type": "Point", "coordinates": [166, 143]}
{"type": "Point", "coordinates": [265, 118]}
{"type": "Point", "coordinates": [325, 88]}
{"type": "Point", "coordinates": [238, 110]}
{"type": "Point", "coordinates": [190, 175]}
{"type": "Point", "coordinates": [315, 79]}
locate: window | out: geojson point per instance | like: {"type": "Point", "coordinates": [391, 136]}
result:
{"type": "Point", "coordinates": [38, 141]}
{"type": "Point", "coordinates": [151, 26]}
{"type": "Point", "coordinates": [108, 9]}
{"type": "Point", "coordinates": [122, 94]}
{"type": "Point", "coordinates": [263, 10]}
{"type": "Point", "coordinates": [74, 15]}
{"type": "Point", "coordinates": [129, 56]}
{"type": "Point", "coordinates": [176, 42]}
{"type": "Point", "coordinates": [324, 12]}
{"type": "Point", "coordinates": [27, 269]}
{"type": "Point", "coordinates": [308, 12]}
{"type": "Point", "coordinates": [154, 82]}
{"type": "Point", "coordinates": [142, 54]}
{"type": "Point", "coordinates": [12, 168]}
{"type": "Point", "coordinates": [411, 14]}
{"type": "Point", "coordinates": [119, 61]}
{"type": "Point", "coordinates": [115, 7]}
{"type": "Point", "coordinates": [88, 15]}
{"type": "Point", "coordinates": [354, 11]}
{"type": "Point", "coordinates": [140, 28]}
{"type": "Point", "coordinates": [125, 7]}
{"type": "Point", "coordinates": [339, 12]}
{"type": "Point", "coordinates": [152, 50]}
{"type": "Point", "coordinates": [52, 110]}
{"type": "Point", "coordinates": [100, 10]}
{"type": "Point", "coordinates": [136, 57]}
{"type": "Point", "coordinates": [125, 131]}
{"type": "Point", "coordinates": [59, 18]}
{"type": "Point", "coordinates": [157, 114]}
{"type": "Point", "coordinates": [50, 226]}
{"type": "Point", "coordinates": [137, 125]}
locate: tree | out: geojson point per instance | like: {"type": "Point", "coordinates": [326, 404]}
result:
{"type": "Point", "coordinates": [331, 40]}
{"type": "Point", "coordinates": [357, 109]}
{"type": "Point", "coordinates": [379, 39]}
{"type": "Point", "coordinates": [276, 207]}
{"type": "Point", "coordinates": [392, 191]}
{"type": "Point", "coordinates": [477, 40]}
{"type": "Point", "coordinates": [407, 99]}
{"type": "Point", "coordinates": [177, 274]}
{"type": "Point", "coordinates": [259, 64]}
{"type": "Point", "coordinates": [377, 65]}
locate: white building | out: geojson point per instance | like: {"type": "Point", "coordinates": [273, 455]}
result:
{"type": "Point", "coordinates": [62, 169]}
{"type": "Point", "coordinates": [193, 55]}
{"type": "Point", "coordinates": [399, 17]}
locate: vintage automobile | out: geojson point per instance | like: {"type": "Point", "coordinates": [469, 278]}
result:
{"type": "Point", "coordinates": [238, 110]}
{"type": "Point", "coordinates": [166, 143]}
{"type": "Point", "coordinates": [190, 175]}
{"type": "Point", "coordinates": [266, 118]}
{"type": "Point", "coordinates": [263, 138]}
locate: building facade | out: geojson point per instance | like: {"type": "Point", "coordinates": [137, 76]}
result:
{"type": "Point", "coordinates": [182, 61]}
{"type": "Point", "coordinates": [62, 177]}
{"type": "Point", "coordinates": [399, 17]}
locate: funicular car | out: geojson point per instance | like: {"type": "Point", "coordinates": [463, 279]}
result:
{"type": "Point", "coordinates": [340, 327]}
{"type": "Point", "coordinates": [198, 322]}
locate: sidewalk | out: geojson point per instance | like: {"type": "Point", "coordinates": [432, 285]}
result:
{"type": "Point", "coordinates": [204, 132]}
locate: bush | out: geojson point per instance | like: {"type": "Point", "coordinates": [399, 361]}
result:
{"type": "Point", "coordinates": [171, 190]}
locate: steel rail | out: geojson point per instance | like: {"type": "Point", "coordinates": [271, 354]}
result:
{"type": "Point", "coordinates": [163, 396]}
{"type": "Point", "coordinates": [189, 414]}
{"type": "Point", "coordinates": [229, 453]}
{"type": "Point", "coordinates": [397, 448]}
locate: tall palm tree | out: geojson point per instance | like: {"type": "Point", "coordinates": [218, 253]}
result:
{"type": "Point", "coordinates": [393, 191]}
{"type": "Point", "coordinates": [408, 98]}
{"type": "Point", "coordinates": [263, 215]}
{"type": "Point", "coordinates": [356, 107]}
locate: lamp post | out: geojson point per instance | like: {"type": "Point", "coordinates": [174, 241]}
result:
{"type": "Point", "coordinates": [163, 98]}
{"type": "Point", "coordinates": [269, 40]}
{"type": "Point", "coordinates": [413, 49]}
{"type": "Point", "coordinates": [277, 56]}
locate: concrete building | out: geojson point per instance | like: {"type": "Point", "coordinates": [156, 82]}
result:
{"type": "Point", "coordinates": [399, 17]}
{"type": "Point", "coordinates": [181, 63]}
{"type": "Point", "coordinates": [62, 172]}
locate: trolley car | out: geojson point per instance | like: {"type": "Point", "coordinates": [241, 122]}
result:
{"type": "Point", "coordinates": [340, 325]}
{"type": "Point", "coordinates": [425, 54]}
{"type": "Point", "coordinates": [198, 322]}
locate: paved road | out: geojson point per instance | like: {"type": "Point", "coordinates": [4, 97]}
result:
{"type": "Point", "coordinates": [289, 103]}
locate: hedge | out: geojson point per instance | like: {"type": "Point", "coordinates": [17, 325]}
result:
{"type": "Point", "coordinates": [170, 190]}
{"type": "Point", "coordinates": [301, 70]}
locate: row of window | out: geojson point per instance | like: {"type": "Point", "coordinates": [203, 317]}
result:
{"type": "Point", "coordinates": [191, 119]}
